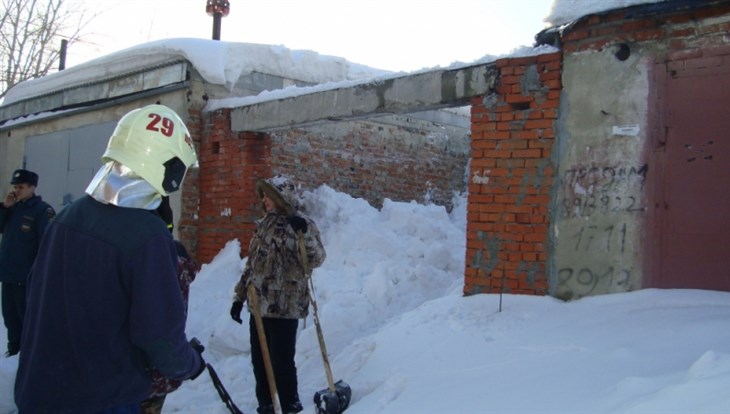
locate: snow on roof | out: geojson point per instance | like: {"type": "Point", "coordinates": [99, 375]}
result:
{"type": "Point", "coordinates": [220, 63]}
{"type": "Point", "coordinates": [562, 12]}
{"type": "Point", "coordinates": [566, 11]}
{"type": "Point", "coordinates": [292, 91]}
{"type": "Point", "coordinates": [223, 63]}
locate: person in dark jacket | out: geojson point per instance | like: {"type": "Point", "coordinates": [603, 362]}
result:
{"type": "Point", "coordinates": [186, 272]}
{"type": "Point", "coordinates": [104, 303]}
{"type": "Point", "coordinates": [24, 217]}
{"type": "Point", "coordinates": [275, 270]}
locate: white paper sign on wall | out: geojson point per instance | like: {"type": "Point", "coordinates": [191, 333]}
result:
{"type": "Point", "coordinates": [627, 130]}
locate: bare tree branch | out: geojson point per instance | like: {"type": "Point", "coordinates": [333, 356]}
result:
{"type": "Point", "coordinates": [30, 37]}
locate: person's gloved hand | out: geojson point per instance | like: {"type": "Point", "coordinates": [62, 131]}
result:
{"type": "Point", "coordinates": [196, 345]}
{"type": "Point", "coordinates": [236, 308]}
{"type": "Point", "coordinates": [298, 223]}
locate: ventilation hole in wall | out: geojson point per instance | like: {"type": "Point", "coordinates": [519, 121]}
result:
{"type": "Point", "coordinates": [623, 52]}
{"type": "Point", "coordinates": [216, 148]}
{"type": "Point", "coordinates": [520, 106]}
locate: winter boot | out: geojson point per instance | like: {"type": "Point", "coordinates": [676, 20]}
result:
{"type": "Point", "coordinates": [293, 408]}
{"type": "Point", "coordinates": [265, 409]}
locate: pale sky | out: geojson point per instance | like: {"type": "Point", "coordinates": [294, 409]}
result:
{"type": "Point", "coordinates": [396, 35]}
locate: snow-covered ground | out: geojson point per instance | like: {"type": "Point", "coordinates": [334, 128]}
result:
{"type": "Point", "coordinates": [401, 334]}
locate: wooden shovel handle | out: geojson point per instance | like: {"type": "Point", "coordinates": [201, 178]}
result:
{"type": "Point", "coordinates": [305, 264]}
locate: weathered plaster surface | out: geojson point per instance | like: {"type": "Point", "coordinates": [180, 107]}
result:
{"type": "Point", "coordinates": [599, 206]}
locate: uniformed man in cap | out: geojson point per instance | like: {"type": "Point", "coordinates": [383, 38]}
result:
{"type": "Point", "coordinates": [24, 217]}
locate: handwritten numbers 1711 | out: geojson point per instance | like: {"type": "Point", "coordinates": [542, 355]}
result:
{"type": "Point", "coordinates": [602, 238]}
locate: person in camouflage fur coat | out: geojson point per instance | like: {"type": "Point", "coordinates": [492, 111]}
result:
{"type": "Point", "coordinates": [276, 271]}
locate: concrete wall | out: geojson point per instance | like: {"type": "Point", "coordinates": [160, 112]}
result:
{"type": "Point", "coordinates": [62, 131]}
{"type": "Point", "coordinates": [14, 139]}
{"type": "Point", "coordinates": [12, 150]}
{"type": "Point", "coordinates": [598, 219]}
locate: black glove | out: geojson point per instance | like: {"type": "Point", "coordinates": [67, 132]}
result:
{"type": "Point", "coordinates": [195, 343]}
{"type": "Point", "coordinates": [236, 311]}
{"type": "Point", "coordinates": [298, 223]}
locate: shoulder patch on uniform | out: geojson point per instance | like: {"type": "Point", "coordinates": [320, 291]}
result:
{"type": "Point", "coordinates": [50, 212]}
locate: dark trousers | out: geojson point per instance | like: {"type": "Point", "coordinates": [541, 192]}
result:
{"type": "Point", "coordinates": [13, 299]}
{"type": "Point", "coordinates": [281, 335]}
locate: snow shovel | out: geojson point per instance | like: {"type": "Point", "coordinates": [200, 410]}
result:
{"type": "Point", "coordinates": [254, 301]}
{"type": "Point", "coordinates": [336, 397]}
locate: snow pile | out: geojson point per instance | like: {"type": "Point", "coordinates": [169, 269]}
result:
{"type": "Point", "coordinates": [401, 334]}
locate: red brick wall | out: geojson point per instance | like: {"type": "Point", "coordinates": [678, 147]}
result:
{"type": "Point", "coordinates": [512, 136]}
{"type": "Point", "coordinates": [187, 228]}
{"type": "Point", "coordinates": [511, 178]}
{"type": "Point", "coordinates": [375, 161]}
{"type": "Point", "coordinates": [679, 30]}
{"type": "Point", "coordinates": [369, 160]}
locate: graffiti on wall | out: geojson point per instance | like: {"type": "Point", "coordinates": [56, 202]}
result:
{"type": "Point", "coordinates": [608, 238]}
{"type": "Point", "coordinates": [584, 281]}
{"type": "Point", "coordinates": [598, 206]}
{"type": "Point", "coordinates": [596, 241]}
{"type": "Point", "coordinates": [607, 189]}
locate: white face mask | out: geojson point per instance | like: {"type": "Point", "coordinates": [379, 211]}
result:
{"type": "Point", "coordinates": [118, 185]}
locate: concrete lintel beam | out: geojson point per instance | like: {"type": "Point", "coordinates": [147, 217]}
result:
{"type": "Point", "coordinates": [411, 93]}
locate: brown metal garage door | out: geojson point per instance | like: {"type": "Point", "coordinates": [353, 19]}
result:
{"type": "Point", "coordinates": [692, 205]}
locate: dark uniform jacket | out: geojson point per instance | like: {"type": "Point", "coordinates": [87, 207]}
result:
{"type": "Point", "coordinates": [22, 226]}
{"type": "Point", "coordinates": [104, 307]}
{"type": "Point", "coordinates": [186, 272]}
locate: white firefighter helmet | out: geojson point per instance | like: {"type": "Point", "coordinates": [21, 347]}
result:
{"type": "Point", "coordinates": [155, 144]}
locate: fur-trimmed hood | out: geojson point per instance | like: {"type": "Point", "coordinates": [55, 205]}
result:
{"type": "Point", "coordinates": [281, 191]}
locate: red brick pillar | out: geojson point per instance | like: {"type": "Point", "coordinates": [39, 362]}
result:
{"type": "Point", "coordinates": [230, 164]}
{"type": "Point", "coordinates": [187, 227]}
{"type": "Point", "coordinates": [511, 177]}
